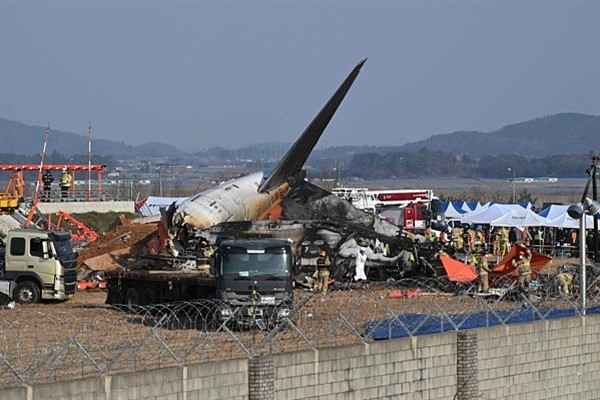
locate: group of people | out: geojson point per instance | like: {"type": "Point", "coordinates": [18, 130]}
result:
{"type": "Point", "coordinates": [323, 265]}
{"type": "Point", "coordinates": [65, 184]}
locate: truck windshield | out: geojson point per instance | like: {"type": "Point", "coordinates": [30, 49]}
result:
{"type": "Point", "coordinates": [438, 218]}
{"type": "Point", "coordinates": [63, 248]}
{"type": "Point", "coordinates": [273, 262]}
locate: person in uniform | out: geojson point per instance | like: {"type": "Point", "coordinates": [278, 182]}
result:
{"type": "Point", "coordinates": [564, 279]}
{"type": "Point", "coordinates": [504, 243]}
{"type": "Point", "coordinates": [65, 183]}
{"type": "Point", "coordinates": [47, 180]}
{"type": "Point", "coordinates": [523, 263]}
{"type": "Point", "coordinates": [496, 243]}
{"type": "Point", "coordinates": [457, 238]}
{"type": "Point", "coordinates": [323, 264]}
{"type": "Point", "coordinates": [483, 270]}
{"type": "Point", "coordinates": [471, 239]}
{"type": "Point", "coordinates": [206, 252]}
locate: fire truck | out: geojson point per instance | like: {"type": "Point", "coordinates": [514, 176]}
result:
{"type": "Point", "coordinates": [412, 209]}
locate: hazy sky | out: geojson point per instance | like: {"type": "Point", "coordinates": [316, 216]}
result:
{"type": "Point", "coordinates": [199, 74]}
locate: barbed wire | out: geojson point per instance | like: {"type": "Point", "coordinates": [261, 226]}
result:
{"type": "Point", "coordinates": [38, 347]}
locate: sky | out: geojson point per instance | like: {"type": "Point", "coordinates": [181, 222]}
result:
{"type": "Point", "coordinates": [199, 74]}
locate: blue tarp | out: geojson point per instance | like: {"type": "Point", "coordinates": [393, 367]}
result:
{"type": "Point", "coordinates": [405, 325]}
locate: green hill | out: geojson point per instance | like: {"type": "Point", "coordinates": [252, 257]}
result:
{"type": "Point", "coordinates": [566, 133]}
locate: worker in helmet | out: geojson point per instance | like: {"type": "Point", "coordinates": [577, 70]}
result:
{"type": "Point", "coordinates": [65, 183]}
{"type": "Point", "coordinates": [323, 264]}
{"type": "Point", "coordinates": [564, 278]}
{"type": "Point", "coordinates": [523, 263]}
{"type": "Point", "coordinates": [483, 271]}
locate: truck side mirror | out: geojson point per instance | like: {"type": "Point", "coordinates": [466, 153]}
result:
{"type": "Point", "coordinates": [47, 250]}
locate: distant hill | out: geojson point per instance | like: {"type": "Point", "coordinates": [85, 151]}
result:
{"type": "Point", "coordinates": [566, 133]}
{"type": "Point", "coordinates": [18, 138]}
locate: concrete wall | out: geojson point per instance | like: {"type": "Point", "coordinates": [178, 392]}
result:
{"type": "Point", "coordinates": [422, 367]}
{"type": "Point", "coordinates": [558, 359]}
{"type": "Point", "coordinates": [80, 207]}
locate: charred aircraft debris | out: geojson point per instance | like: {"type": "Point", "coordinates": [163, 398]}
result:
{"type": "Point", "coordinates": [284, 205]}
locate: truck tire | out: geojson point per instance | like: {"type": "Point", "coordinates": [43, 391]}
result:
{"type": "Point", "coordinates": [148, 297]}
{"type": "Point", "coordinates": [112, 295]}
{"type": "Point", "coordinates": [27, 292]}
{"type": "Point", "coordinates": [132, 297]}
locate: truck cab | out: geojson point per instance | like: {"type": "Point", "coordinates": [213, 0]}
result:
{"type": "Point", "coordinates": [254, 281]}
{"type": "Point", "coordinates": [37, 265]}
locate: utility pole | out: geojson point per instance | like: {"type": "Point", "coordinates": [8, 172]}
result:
{"type": "Point", "coordinates": [513, 181]}
{"type": "Point", "coordinates": [160, 190]}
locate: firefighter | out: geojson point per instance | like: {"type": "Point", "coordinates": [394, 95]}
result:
{"type": "Point", "coordinates": [323, 264]}
{"type": "Point", "coordinates": [483, 270]}
{"type": "Point", "coordinates": [457, 238]}
{"type": "Point", "coordinates": [470, 239]}
{"type": "Point", "coordinates": [504, 244]}
{"type": "Point", "coordinates": [65, 183]}
{"type": "Point", "coordinates": [47, 180]}
{"type": "Point", "coordinates": [206, 253]}
{"type": "Point", "coordinates": [496, 243]}
{"type": "Point", "coordinates": [523, 263]}
{"type": "Point", "coordinates": [479, 240]}
{"type": "Point", "coordinates": [564, 278]}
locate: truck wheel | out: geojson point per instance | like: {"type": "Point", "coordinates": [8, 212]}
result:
{"type": "Point", "coordinates": [148, 297]}
{"type": "Point", "coordinates": [27, 292]}
{"type": "Point", "coordinates": [132, 297]}
{"type": "Point", "coordinates": [112, 295]}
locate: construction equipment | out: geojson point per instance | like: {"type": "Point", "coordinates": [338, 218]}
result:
{"type": "Point", "coordinates": [78, 230]}
{"type": "Point", "coordinates": [13, 193]}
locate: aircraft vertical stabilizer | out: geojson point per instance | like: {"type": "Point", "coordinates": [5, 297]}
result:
{"type": "Point", "coordinates": [295, 158]}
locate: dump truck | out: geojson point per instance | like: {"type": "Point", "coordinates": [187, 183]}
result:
{"type": "Point", "coordinates": [37, 265]}
{"type": "Point", "coordinates": [249, 279]}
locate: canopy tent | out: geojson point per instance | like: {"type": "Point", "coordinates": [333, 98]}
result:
{"type": "Point", "coordinates": [452, 212]}
{"type": "Point", "coordinates": [493, 212]}
{"type": "Point", "coordinates": [465, 207]}
{"type": "Point", "coordinates": [564, 221]}
{"type": "Point", "coordinates": [472, 205]}
{"type": "Point", "coordinates": [554, 211]}
{"type": "Point", "coordinates": [517, 219]}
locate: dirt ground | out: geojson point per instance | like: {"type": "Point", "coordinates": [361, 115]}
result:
{"type": "Point", "coordinates": [84, 337]}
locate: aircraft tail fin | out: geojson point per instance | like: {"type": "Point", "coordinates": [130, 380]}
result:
{"type": "Point", "coordinates": [295, 158]}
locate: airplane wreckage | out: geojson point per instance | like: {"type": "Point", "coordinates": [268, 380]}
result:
{"type": "Point", "coordinates": [283, 204]}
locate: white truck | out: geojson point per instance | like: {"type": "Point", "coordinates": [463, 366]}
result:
{"type": "Point", "coordinates": [37, 265]}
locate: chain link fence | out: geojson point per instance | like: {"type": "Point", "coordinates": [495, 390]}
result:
{"type": "Point", "coordinates": [38, 347]}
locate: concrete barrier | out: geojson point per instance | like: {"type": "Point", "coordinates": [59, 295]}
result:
{"type": "Point", "coordinates": [554, 359]}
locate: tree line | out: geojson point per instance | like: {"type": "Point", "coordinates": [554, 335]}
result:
{"type": "Point", "coordinates": [426, 163]}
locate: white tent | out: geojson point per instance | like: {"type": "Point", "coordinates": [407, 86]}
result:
{"type": "Point", "coordinates": [452, 212]}
{"type": "Point", "coordinates": [564, 221]}
{"type": "Point", "coordinates": [493, 212]}
{"type": "Point", "coordinates": [554, 211]}
{"type": "Point", "coordinates": [518, 219]}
